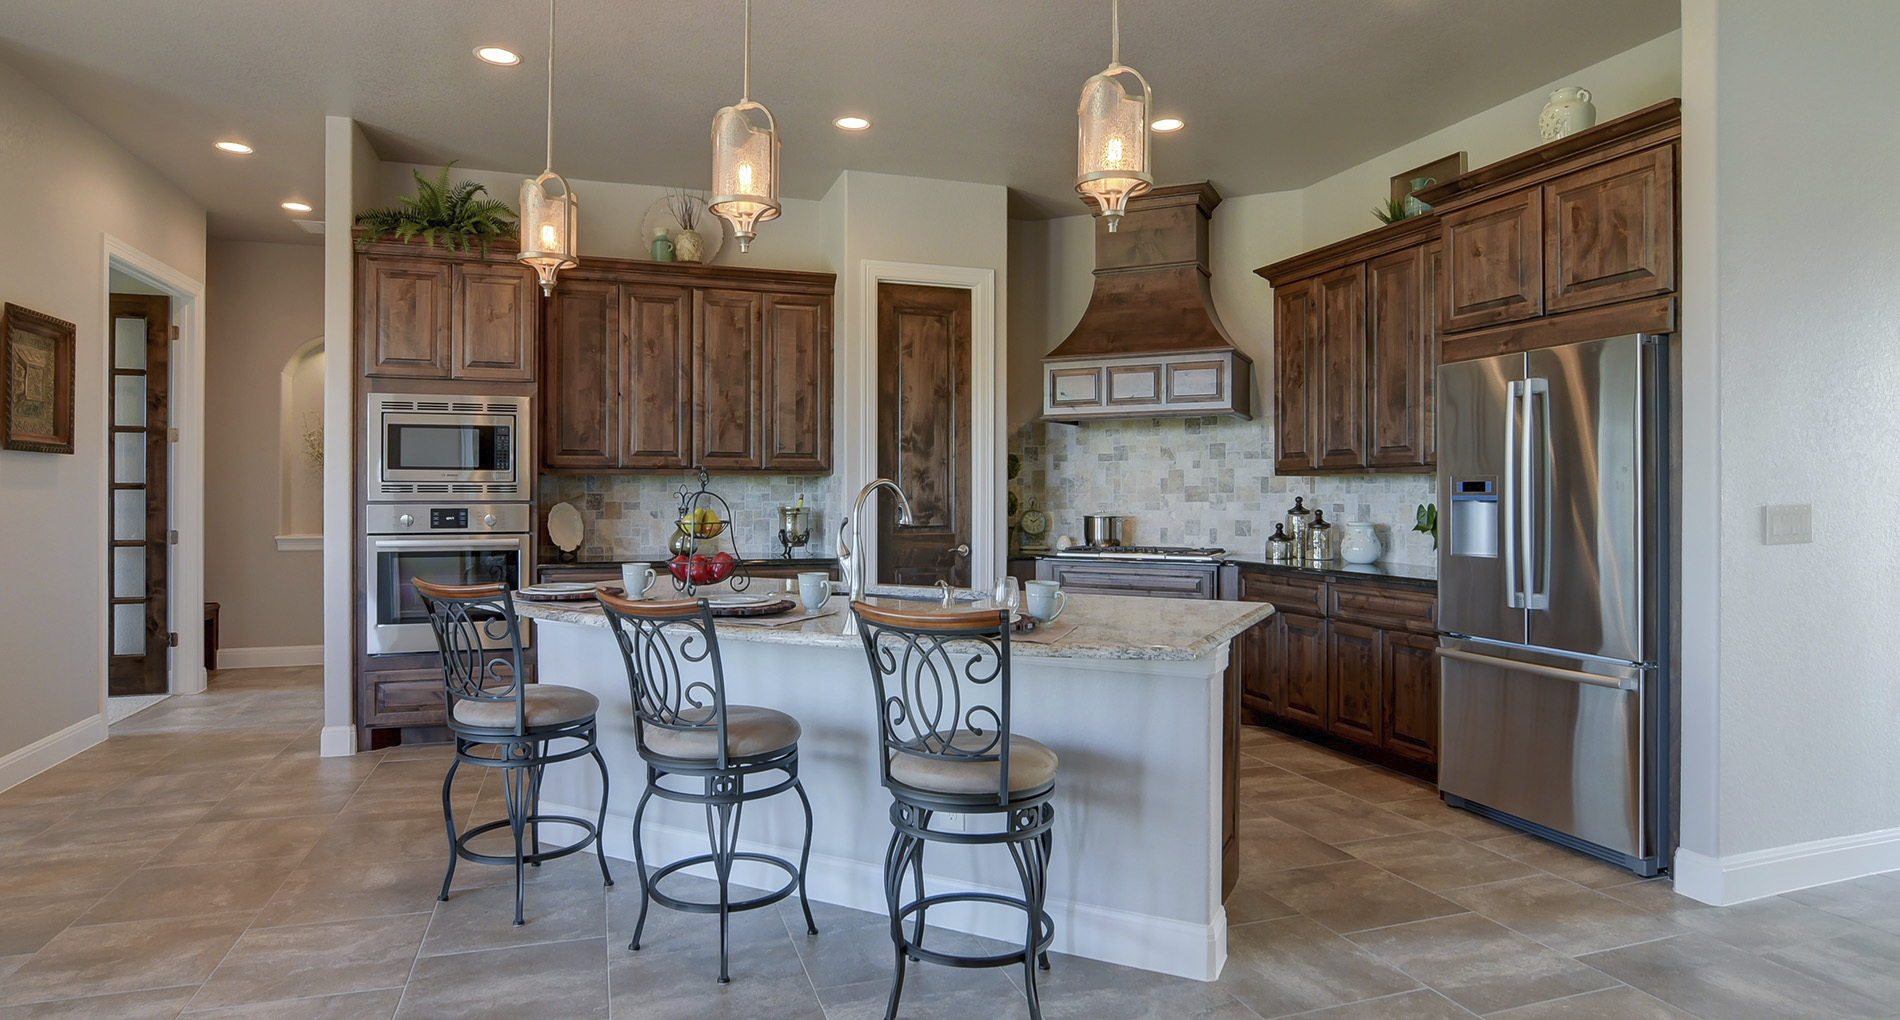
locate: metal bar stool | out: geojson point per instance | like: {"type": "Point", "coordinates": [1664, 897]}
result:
{"type": "Point", "coordinates": [942, 681]}
{"type": "Point", "coordinates": [684, 728]}
{"type": "Point", "coordinates": [501, 721]}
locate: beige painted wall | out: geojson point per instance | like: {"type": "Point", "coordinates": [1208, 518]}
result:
{"type": "Point", "coordinates": [76, 186]}
{"type": "Point", "coordinates": [263, 302]}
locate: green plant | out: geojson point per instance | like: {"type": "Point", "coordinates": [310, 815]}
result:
{"type": "Point", "coordinates": [1427, 522]}
{"type": "Point", "coordinates": [454, 215]}
{"type": "Point", "coordinates": [1391, 210]}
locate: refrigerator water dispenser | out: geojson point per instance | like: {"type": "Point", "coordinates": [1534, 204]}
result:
{"type": "Point", "coordinates": [1474, 517]}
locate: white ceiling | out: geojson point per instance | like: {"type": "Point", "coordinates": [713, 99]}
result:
{"type": "Point", "coordinates": [1276, 93]}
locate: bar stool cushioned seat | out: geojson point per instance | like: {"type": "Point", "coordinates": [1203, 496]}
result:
{"type": "Point", "coordinates": [1031, 765]}
{"type": "Point", "coordinates": [543, 705]}
{"type": "Point", "coordinates": [750, 731]}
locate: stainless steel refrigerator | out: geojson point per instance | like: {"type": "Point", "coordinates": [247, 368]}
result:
{"type": "Point", "coordinates": [1554, 594]}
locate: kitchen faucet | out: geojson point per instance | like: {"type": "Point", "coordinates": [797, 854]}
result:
{"type": "Point", "coordinates": [851, 556]}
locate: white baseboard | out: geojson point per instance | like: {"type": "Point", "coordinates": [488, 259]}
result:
{"type": "Point", "coordinates": [1166, 945]}
{"type": "Point", "coordinates": [48, 751]}
{"type": "Point", "coordinates": [1739, 878]}
{"type": "Point", "coordinates": [337, 741]}
{"type": "Point", "coordinates": [270, 655]}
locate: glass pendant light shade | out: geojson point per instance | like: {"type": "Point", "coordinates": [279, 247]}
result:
{"type": "Point", "coordinates": [550, 221]}
{"type": "Point", "coordinates": [1112, 140]}
{"type": "Point", "coordinates": [745, 168]}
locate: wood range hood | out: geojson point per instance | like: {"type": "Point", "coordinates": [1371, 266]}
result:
{"type": "Point", "coordinates": [1150, 344]}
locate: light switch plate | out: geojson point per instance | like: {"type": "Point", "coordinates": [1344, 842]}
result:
{"type": "Point", "coordinates": [1788, 524]}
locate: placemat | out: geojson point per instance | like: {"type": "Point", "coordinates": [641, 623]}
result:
{"type": "Point", "coordinates": [1045, 633]}
{"type": "Point", "coordinates": [776, 621]}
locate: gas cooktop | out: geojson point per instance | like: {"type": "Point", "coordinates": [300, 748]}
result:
{"type": "Point", "coordinates": [1178, 553]}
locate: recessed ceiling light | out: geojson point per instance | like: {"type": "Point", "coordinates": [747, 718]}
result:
{"type": "Point", "coordinates": [498, 55]}
{"type": "Point", "coordinates": [297, 206]}
{"type": "Point", "coordinates": [852, 123]}
{"type": "Point", "coordinates": [1166, 124]}
{"type": "Point", "coordinates": [239, 148]}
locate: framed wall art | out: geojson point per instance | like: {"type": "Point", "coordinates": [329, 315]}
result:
{"type": "Point", "coordinates": [36, 361]}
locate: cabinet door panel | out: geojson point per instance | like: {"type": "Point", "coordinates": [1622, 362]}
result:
{"type": "Point", "coordinates": [1357, 700]}
{"type": "Point", "coordinates": [495, 317]}
{"type": "Point", "coordinates": [1340, 384]}
{"type": "Point", "coordinates": [1410, 665]}
{"type": "Point", "coordinates": [798, 383]}
{"type": "Point", "coordinates": [1295, 321]}
{"type": "Point", "coordinates": [1304, 646]}
{"type": "Point", "coordinates": [580, 395]}
{"type": "Point", "coordinates": [1398, 359]}
{"type": "Point", "coordinates": [1428, 381]}
{"type": "Point", "coordinates": [727, 354]}
{"type": "Point", "coordinates": [1610, 232]}
{"type": "Point", "coordinates": [403, 317]}
{"type": "Point", "coordinates": [657, 396]}
{"type": "Point", "coordinates": [1258, 651]}
{"type": "Point", "coordinates": [1494, 262]}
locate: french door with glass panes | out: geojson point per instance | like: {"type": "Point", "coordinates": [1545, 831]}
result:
{"type": "Point", "coordinates": [139, 547]}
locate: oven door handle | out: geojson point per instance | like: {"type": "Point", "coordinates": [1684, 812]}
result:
{"type": "Point", "coordinates": [414, 544]}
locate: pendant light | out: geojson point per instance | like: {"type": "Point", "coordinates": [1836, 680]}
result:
{"type": "Point", "coordinates": [1112, 132]}
{"type": "Point", "coordinates": [745, 158]}
{"type": "Point", "coordinates": [550, 211]}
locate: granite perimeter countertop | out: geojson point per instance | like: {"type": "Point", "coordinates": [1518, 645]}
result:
{"type": "Point", "coordinates": [1424, 575]}
{"type": "Point", "coordinates": [1106, 626]}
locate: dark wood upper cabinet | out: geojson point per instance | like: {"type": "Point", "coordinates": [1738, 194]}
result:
{"type": "Point", "coordinates": [728, 358]}
{"type": "Point", "coordinates": [1494, 264]}
{"type": "Point", "coordinates": [1340, 367]}
{"type": "Point", "coordinates": [494, 324]}
{"type": "Point", "coordinates": [797, 398]}
{"type": "Point", "coordinates": [1295, 324]}
{"type": "Point", "coordinates": [403, 317]}
{"type": "Point", "coordinates": [657, 388]}
{"type": "Point", "coordinates": [580, 398]}
{"type": "Point", "coordinates": [1610, 232]}
{"type": "Point", "coordinates": [1401, 360]}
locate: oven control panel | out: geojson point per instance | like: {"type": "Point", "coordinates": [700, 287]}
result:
{"type": "Point", "coordinates": [448, 519]}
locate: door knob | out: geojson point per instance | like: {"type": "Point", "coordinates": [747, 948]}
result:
{"type": "Point", "coordinates": [961, 550]}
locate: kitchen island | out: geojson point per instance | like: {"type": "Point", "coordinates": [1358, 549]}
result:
{"type": "Point", "coordinates": [1132, 701]}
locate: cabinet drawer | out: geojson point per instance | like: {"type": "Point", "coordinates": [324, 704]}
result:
{"type": "Point", "coordinates": [1286, 594]}
{"type": "Point", "coordinates": [1393, 608]}
{"type": "Point", "coordinates": [403, 697]}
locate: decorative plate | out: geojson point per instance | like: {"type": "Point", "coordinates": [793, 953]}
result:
{"type": "Point", "coordinates": [565, 529]}
{"type": "Point", "coordinates": [712, 229]}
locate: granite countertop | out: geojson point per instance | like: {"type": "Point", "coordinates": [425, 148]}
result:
{"type": "Point", "coordinates": [1423, 575]}
{"type": "Point", "coordinates": [1106, 626]}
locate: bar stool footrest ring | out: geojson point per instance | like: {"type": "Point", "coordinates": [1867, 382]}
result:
{"type": "Point", "coordinates": [592, 835]}
{"type": "Point", "coordinates": [898, 925]}
{"type": "Point", "coordinates": [704, 907]}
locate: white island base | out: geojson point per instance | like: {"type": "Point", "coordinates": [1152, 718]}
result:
{"type": "Point", "coordinates": [1131, 702]}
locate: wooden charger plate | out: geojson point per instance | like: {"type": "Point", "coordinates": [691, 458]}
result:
{"type": "Point", "coordinates": [770, 607]}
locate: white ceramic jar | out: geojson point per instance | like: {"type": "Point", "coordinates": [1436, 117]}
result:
{"type": "Point", "coordinates": [1568, 112]}
{"type": "Point", "coordinates": [1361, 544]}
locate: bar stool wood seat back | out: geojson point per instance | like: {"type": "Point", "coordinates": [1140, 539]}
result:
{"type": "Point", "coordinates": [942, 680]}
{"type": "Point", "coordinates": [700, 750]}
{"type": "Point", "coordinates": [499, 720]}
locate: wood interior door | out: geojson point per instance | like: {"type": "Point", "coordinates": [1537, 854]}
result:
{"type": "Point", "coordinates": [138, 546]}
{"type": "Point", "coordinates": [923, 432]}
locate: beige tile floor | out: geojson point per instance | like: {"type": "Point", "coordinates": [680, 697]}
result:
{"type": "Point", "coordinates": [205, 862]}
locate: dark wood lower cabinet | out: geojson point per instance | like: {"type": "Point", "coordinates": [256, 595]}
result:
{"type": "Point", "coordinates": [1351, 664]}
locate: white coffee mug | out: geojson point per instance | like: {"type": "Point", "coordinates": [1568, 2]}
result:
{"type": "Point", "coordinates": [637, 579]}
{"type": "Point", "coordinates": [814, 589]}
{"type": "Point", "coordinates": [1044, 600]}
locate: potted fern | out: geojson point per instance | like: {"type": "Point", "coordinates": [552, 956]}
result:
{"type": "Point", "coordinates": [456, 216]}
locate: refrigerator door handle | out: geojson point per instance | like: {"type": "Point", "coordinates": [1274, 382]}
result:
{"type": "Point", "coordinates": [1539, 669]}
{"type": "Point", "coordinates": [1511, 497]}
{"type": "Point", "coordinates": [1536, 511]}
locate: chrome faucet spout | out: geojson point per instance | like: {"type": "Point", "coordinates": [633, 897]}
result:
{"type": "Point", "coordinates": [853, 554]}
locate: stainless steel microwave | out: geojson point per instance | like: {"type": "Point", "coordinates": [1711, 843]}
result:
{"type": "Point", "coordinates": [430, 445]}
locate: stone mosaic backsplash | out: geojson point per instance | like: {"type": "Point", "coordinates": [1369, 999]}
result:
{"type": "Point", "coordinates": [630, 517]}
{"type": "Point", "coordinates": [1201, 482]}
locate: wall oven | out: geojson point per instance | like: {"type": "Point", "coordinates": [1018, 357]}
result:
{"type": "Point", "coordinates": [423, 445]}
{"type": "Point", "coordinates": [466, 543]}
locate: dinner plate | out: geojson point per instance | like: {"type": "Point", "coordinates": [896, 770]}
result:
{"type": "Point", "coordinates": [554, 587]}
{"type": "Point", "coordinates": [736, 601]}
